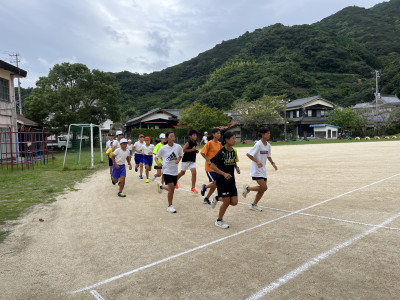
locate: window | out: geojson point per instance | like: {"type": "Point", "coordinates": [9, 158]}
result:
{"type": "Point", "coordinates": [297, 113]}
{"type": "Point", "coordinates": [4, 90]}
{"type": "Point", "coordinates": [309, 113]}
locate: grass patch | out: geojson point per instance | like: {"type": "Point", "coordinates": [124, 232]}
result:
{"type": "Point", "coordinates": [19, 190]}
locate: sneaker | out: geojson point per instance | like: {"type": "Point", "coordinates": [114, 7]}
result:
{"type": "Point", "coordinates": [214, 202]}
{"type": "Point", "coordinates": [121, 195]}
{"type": "Point", "coordinates": [206, 201]}
{"type": "Point", "coordinates": [136, 169]}
{"type": "Point", "coordinates": [194, 190]}
{"type": "Point", "coordinates": [152, 178]}
{"type": "Point", "coordinates": [255, 207]}
{"type": "Point", "coordinates": [159, 189]}
{"type": "Point", "coordinates": [171, 209]}
{"type": "Point", "coordinates": [140, 176]}
{"type": "Point", "coordinates": [112, 181]}
{"type": "Point", "coordinates": [221, 224]}
{"type": "Point", "coordinates": [245, 190]}
{"type": "Point", "coordinates": [176, 186]}
{"type": "Point", "coordinates": [203, 189]}
{"type": "Point", "coordinates": [147, 180]}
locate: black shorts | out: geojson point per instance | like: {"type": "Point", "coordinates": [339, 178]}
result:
{"type": "Point", "coordinates": [257, 178]}
{"type": "Point", "coordinates": [110, 163]}
{"type": "Point", "coordinates": [170, 178]}
{"type": "Point", "coordinates": [157, 168]}
{"type": "Point", "coordinates": [226, 188]}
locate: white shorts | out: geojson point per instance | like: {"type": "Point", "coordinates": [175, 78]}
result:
{"type": "Point", "coordinates": [187, 165]}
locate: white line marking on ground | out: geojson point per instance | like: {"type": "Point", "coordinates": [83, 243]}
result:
{"type": "Point", "coordinates": [221, 239]}
{"type": "Point", "coordinates": [96, 295]}
{"type": "Point", "coordinates": [298, 271]}
{"type": "Point", "coordinates": [322, 217]}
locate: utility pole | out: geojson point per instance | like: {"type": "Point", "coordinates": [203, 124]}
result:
{"type": "Point", "coordinates": [19, 83]}
{"type": "Point", "coordinates": [377, 94]}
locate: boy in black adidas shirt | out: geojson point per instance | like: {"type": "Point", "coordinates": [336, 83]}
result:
{"type": "Point", "coordinates": [224, 164]}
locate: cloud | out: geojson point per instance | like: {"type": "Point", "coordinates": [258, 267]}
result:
{"type": "Point", "coordinates": [117, 36]}
{"type": "Point", "coordinates": [143, 64]}
{"type": "Point", "coordinates": [159, 44]}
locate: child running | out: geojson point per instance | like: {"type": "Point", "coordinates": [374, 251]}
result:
{"type": "Point", "coordinates": [189, 158]}
{"type": "Point", "coordinates": [147, 150]}
{"type": "Point", "coordinates": [119, 172]}
{"type": "Point", "coordinates": [139, 157]}
{"type": "Point", "coordinates": [210, 149]}
{"type": "Point", "coordinates": [224, 164]}
{"type": "Point", "coordinates": [259, 154]}
{"type": "Point", "coordinates": [109, 144]}
{"type": "Point", "coordinates": [171, 155]}
{"type": "Point", "coordinates": [158, 161]}
{"type": "Point", "coordinates": [130, 147]}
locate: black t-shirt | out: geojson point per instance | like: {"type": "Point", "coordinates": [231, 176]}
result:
{"type": "Point", "coordinates": [190, 156]}
{"type": "Point", "coordinates": [225, 161]}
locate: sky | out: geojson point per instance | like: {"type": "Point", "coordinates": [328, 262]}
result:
{"type": "Point", "coordinates": [139, 36]}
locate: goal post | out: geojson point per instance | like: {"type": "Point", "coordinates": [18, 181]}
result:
{"type": "Point", "coordinates": [82, 145]}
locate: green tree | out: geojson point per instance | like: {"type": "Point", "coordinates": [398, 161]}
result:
{"type": "Point", "coordinates": [71, 93]}
{"type": "Point", "coordinates": [201, 117]}
{"type": "Point", "coordinates": [346, 118]}
{"type": "Point", "coordinates": [265, 111]}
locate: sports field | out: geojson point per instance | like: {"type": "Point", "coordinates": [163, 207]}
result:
{"type": "Point", "coordinates": [329, 229]}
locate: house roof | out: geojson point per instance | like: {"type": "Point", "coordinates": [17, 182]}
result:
{"type": "Point", "coordinates": [149, 113]}
{"type": "Point", "coordinates": [324, 125]}
{"type": "Point", "coordinates": [25, 121]}
{"type": "Point", "coordinates": [304, 101]}
{"type": "Point", "coordinates": [384, 99]}
{"type": "Point", "coordinates": [13, 69]}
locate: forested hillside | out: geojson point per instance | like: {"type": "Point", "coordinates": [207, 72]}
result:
{"type": "Point", "coordinates": [334, 58]}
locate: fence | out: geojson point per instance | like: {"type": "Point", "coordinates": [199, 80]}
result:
{"type": "Point", "coordinates": [24, 149]}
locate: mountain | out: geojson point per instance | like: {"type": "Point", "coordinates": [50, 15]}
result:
{"type": "Point", "coordinates": [334, 58]}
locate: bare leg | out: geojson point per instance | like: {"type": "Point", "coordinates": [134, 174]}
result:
{"type": "Point", "coordinates": [260, 189]}
{"type": "Point", "coordinates": [193, 177]}
{"type": "Point", "coordinates": [181, 173]}
{"type": "Point", "coordinates": [141, 169]}
{"type": "Point", "coordinates": [171, 189]}
{"type": "Point", "coordinates": [212, 187]}
{"type": "Point", "coordinates": [121, 183]}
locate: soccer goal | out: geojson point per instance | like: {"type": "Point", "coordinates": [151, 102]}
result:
{"type": "Point", "coordinates": [84, 146]}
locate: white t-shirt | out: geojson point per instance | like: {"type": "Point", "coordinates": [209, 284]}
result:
{"type": "Point", "coordinates": [148, 150]}
{"type": "Point", "coordinates": [260, 152]}
{"type": "Point", "coordinates": [109, 144]}
{"type": "Point", "coordinates": [205, 140]}
{"type": "Point", "coordinates": [170, 155]}
{"type": "Point", "coordinates": [138, 146]}
{"type": "Point", "coordinates": [121, 155]}
{"type": "Point", "coordinates": [129, 147]}
{"type": "Point", "coordinates": [116, 144]}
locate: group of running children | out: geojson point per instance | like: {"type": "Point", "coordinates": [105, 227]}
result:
{"type": "Point", "coordinates": [220, 165]}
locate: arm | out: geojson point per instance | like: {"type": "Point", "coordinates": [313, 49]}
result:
{"type": "Point", "coordinates": [272, 163]}
{"type": "Point", "coordinates": [128, 159]}
{"type": "Point", "coordinates": [185, 148]}
{"type": "Point", "coordinates": [215, 168]}
{"type": "Point", "coordinates": [259, 164]}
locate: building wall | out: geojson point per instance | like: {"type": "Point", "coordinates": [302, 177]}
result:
{"type": "Point", "coordinates": [7, 108]}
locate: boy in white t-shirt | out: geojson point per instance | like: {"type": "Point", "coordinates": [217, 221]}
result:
{"type": "Point", "coordinates": [147, 150]}
{"type": "Point", "coordinates": [120, 155]}
{"type": "Point", "coordinates": [130, 147]}
{"type": "Point", "coordinates": [171, 154]}
{"type": "Point", "coordinates": [259, 154]}
{"type": "Point", "coordinates": [139, 157]}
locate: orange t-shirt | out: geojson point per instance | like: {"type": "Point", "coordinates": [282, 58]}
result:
{"type": "Point", "coordinates": [210, 150]}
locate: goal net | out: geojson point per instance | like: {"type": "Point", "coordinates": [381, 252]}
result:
{"type": "Point", "coordinates": [84, 146]}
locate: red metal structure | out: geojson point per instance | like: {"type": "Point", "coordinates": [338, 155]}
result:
{"type": "Point", "coordinates": [24, 149]}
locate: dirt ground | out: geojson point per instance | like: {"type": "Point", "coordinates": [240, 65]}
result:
{"type": "Point", "coordinates": [317, 237]}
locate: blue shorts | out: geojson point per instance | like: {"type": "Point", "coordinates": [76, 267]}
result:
{"type": "Point", "coordinates": [212, 176]}
{"type": "Point", "coordinates": [148, 160]}
{"type": "Point", "coordinates": [110, 162]}
{"type": "Point", "coordinates": [139, 158]}
{"type": "Point", "coordinates": [130, 152]}
{"type": "Point", "coordinates": [117, 173]}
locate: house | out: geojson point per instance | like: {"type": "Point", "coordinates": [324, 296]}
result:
{"type": "Point", "coordinates": [325, 131]}
{"type": "Point", "coordinates": [379, 110]}
{"type": "Point", "coordinates": [25, 123]}
{"type": "Point", "coordinates": [156, 118]}
{"type": "Point", "coordinates": [8, 114]}
{"type": "Point", "coordinates": [306, 112]}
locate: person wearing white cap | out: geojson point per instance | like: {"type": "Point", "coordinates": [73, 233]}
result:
{"type": "Point", "coordinates": [116, 143]}
{"type": "Point", "coordinates": [158, 161]}
{"type": "Point", "coordinates": [119, 157]}
{"type": "Point", "coordinates": [204, 138]}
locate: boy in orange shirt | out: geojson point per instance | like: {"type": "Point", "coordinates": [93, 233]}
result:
{"type": "Point", "coordinates": [208, 152]}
